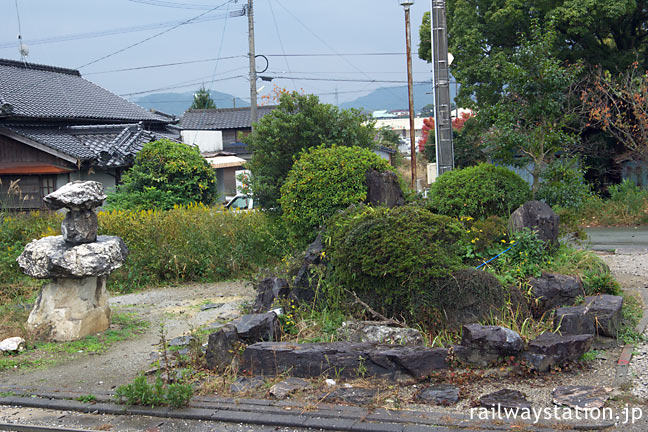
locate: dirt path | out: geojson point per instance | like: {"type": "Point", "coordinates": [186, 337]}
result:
{"type": "Point", "coordinates": [177, 308]}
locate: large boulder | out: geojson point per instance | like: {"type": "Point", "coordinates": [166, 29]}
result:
{"type": "Point", "coordinates": [305, 282]}
{"type": "Point", "coordinates": [254, 328]}
{"type": "Point", "coordinates": [561, 348]}
{"type": "Point", "coordinates": [606, 310]}
{"type": "Point", "coordinates": [552, 290]}
{"type": "Point", "coordinates": [369, 331]}
{"type": "Point", "coordinates": [536, 216]}
{"type": "Point", "coordinates": [574, 320]}
{"type": "Point", "coordinates": [221, 347]}
{"type": "Point", "coordinates": [269, 290]}
{"type": "Point", "coordinates": [77, 195]}
{"type": "Point", "coordinates": [53, 257]}
{"type": "Point", "coordinates": [383, 189]}
{"type": "Point", "coordinates": [343, 359]}
{"type": "Point", "coordinates": [597, 315]}
{"type": "Point", "coordinates": [69, 309]}
{"type": "Point", "coordinates": [484, 345]}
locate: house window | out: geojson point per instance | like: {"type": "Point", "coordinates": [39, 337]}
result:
{"type": "Point", "coordinates": [47, 185]}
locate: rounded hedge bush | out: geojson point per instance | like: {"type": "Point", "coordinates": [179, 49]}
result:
{"type": "Point", "coordinates": [389, 257]}
{"type": "Point", "coordinates": [165, 173]}
{"type": "Point", "coordinates": [322, 181]}
{"type": "Point", "coordinates": [480, 191]}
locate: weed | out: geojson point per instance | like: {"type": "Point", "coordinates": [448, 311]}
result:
{"type": "Point", "coordinates": [589, 356]}
{"type": "Point", "coordinates": [87, 398]}
{"type": "Point", "coordinates": [632, 313]}
{"type": "Point", "coordinates": [362, 368]}
{"type": "Point", "coordinates": [179, 395]}
{"type": "Point", "coordinates": [140, 392]}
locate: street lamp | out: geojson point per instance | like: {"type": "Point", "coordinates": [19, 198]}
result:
{"type": "Point", "coordinates": [406, 5]}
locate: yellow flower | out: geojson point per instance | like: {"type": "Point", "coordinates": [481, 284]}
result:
{"type": "Point", "coordinates": [503, 241]}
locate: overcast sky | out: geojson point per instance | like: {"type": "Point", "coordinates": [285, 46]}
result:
{"type": "Point", "coordinates": [328, 27]}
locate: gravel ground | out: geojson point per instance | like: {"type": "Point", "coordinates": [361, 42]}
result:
{"type": "Point", "coordinates": [631, 269]}
{"type": "Point", "coordinates": [177, 308]}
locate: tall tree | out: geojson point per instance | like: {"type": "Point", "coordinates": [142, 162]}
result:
{"type": "Point", "coordinates": [611, 33]}
{"type": "Point", "coordinates": [298, 123]}
{"type": "Point", "coordinates": [529, 122]}
{"type": "Point", "coordinates": [202, 100]}
{"type": "Point", "coordinates": [619, 105]}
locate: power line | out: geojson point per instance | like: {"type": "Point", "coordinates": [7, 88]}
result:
{"type": "Point", "coordinates": [164, 65]}
{"type": "Point", "coordinates": [232, 57]}
{"type": "Point", "coordinates": [274, 19]}
{"type": "Point", "coordinates": [110, 32]}
{"type": "Point", "coordinates": [336, 54]}
{"type": "Point", "coordinates": [172, 4]}
{"type": "Point", "coordinates": [154, 36]}
{"type": "Point", "coordinates": [318, 38]}
{"type": "Point", "coordinates": [348, 80]}
{"type": "Point", "coordinates": [186, 84]}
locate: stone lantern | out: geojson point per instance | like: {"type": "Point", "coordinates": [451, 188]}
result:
{"type": "Point", "coordinates": [75, 303]}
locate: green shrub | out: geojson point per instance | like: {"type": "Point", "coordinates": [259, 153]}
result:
{"type": "Point", "coordinates": [563, 184]}
{"type": "Point", "coordinates": [486, 238]}
{"type": "Point", "coordinates": [140, 392]}
{"type": "Point", "coordinates": [187, 243]}
{"type": "Point", "coordinates": [600, 282]}
{"type": "Point", "coordinates": [480, 191]}
{"type": "Point", "coordinates": [165, 173]}
{"type": "Point", "coordinates": [191, 243]}
{"type": "Point", "coordinates": [527, 257]}
{"type": "Point", "coordinates": [629, 196]}
{"type": "Point", "coordinates": [390, 256]}
{"type": "Point", "coordinates": [322, 181]}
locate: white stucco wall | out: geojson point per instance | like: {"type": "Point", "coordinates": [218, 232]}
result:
{"type": "Point", "coordinates": [207, 141]}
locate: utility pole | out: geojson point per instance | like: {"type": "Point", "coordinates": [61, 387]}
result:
{"type": "Point", "coordinates": [252, 54]}
{"type": "Point", "coordinates": [406, 4]}
{"type": "Point", "coordinates": [441, 79]}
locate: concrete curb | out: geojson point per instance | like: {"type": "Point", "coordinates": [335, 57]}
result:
{"type": "Point", "coordinates": [278, 413]}
{"type": "Point", "coordinates": [623, 365]}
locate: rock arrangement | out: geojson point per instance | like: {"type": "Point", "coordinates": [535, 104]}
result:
{"type": "Point", "coordinates": [75, 303]}
{"type": "Point", "coordinates": [538, 217]}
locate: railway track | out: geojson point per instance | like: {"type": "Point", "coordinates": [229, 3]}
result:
{"type": "Point", "coordinates": [16, 427]}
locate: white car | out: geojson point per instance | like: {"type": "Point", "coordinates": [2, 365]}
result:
{"type": "Point", "coordinates": [240, 202]}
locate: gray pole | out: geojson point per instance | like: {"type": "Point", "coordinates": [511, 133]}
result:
{"type": "Point", "coordinates": [410, 95]}
{"type": "Point", "coordinates": [253, 77]}
{"type": "Point", "coordinates": [441, 78]}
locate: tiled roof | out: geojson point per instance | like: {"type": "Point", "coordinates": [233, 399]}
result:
{"type": "Point", "coordinates": [103, 145]}
{"type": "Point", "coordinates": [221, 118]}
{"type": "Point", "coordinates": [31, 91]}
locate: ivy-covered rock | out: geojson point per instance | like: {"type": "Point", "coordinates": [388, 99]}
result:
{"type": "Point", "coordinates": [389, 257]}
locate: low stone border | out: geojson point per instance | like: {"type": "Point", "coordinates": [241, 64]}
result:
{"type": "Point", "coordinates": [623, 365]}
{"type": "Point", "coordinates": [278, 413]}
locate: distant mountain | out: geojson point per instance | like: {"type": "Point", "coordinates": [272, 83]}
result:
{"type": "Point", "coordinates": [384, 98]}
{"type": "Point", "coordinates": [395, 98]}
{"type": "Point", "coordinates": [178, 103]}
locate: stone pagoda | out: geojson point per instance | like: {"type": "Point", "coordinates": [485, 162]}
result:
{"type": "Point", "coordinates": [75, 303]}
